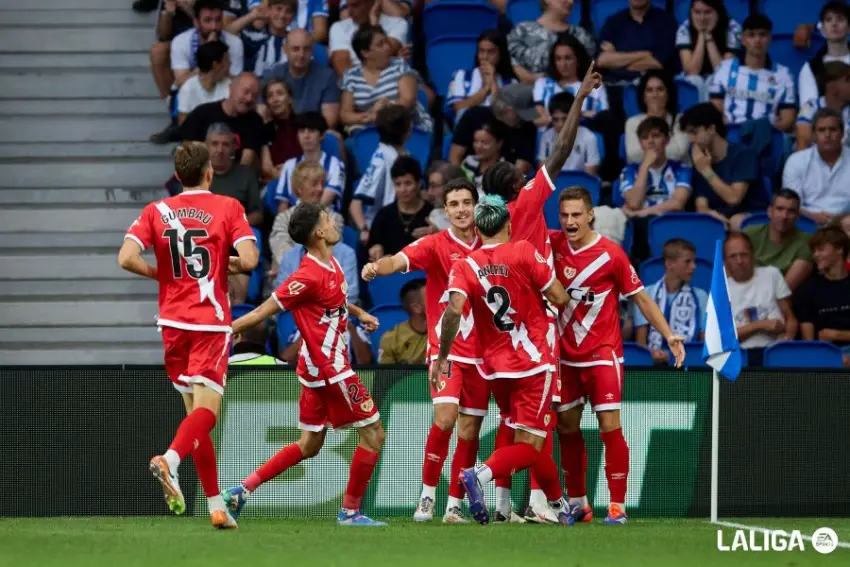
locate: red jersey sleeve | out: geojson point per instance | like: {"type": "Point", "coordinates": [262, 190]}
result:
{"type": "Point", "coordinates": [420, 254]}
{"type": "Point", "coordinates": [533, 196]}
{"type": "Point", "coordinates": [625, 274]}
{"type": "Point", "coordinates": [460, 279]}
{"type": "Point", "coordinates": [296, 289]}
{"type": "Point", "coordinates": [539, 272]}
{"type": "Point", "coordinates": [142, 228]}
{"type": "Point", "coordinates": [239, 228]}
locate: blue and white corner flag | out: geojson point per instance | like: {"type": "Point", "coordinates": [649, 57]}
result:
{"type": "Point", "coordinates": [722, 350]}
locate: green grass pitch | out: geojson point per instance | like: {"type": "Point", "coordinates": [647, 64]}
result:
{"type": "Point", "coordinates": [191, 542]}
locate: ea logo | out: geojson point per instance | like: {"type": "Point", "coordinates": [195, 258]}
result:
{"type": "Point", "coordinates": [569, 272]}
{"type": "Point", "coordinates": [824, 540]}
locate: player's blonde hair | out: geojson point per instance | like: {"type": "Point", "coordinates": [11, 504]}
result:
{"type": "Point", "coordinates": [191, 160]}
{"type": "Point", "coordinates": [303, 172]}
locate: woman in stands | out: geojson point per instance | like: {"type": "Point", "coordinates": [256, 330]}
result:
{"type": "Point", "coordinates": [281, 136]}
{"type": "Point", "coordinates": [656, 97]}
{"type": "Point", "coordinates": [490, 71]}
{"type": "Point", "coordinates": [486, 151]}
{"type": "Point", "coordinates": [529, 43]}
{"type": "Point", "coordinates": [708, 37]}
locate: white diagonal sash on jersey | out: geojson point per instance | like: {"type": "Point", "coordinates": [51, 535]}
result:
{"type": "Point", "coordinates": [518, 335]}
{"type": "Point", "coordinates": [207, 287]}
{"type": "Point", "coordinates": [582, 328]}
{"type": "Point", "coordinates": [467, 323]}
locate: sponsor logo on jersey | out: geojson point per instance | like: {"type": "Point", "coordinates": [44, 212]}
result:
{"type": "Point", "coordinates": [539, 258]}
{"type": "Point", "coordinates": [569, 272]}
{"type": "Point", "coordinates": [634, 274]}
{"type": "Point", "coordinates": [455, 256]}
{"type": "Point", "coordinates": [295, 288]}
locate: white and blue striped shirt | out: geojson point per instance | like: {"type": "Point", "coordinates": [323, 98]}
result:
{"type": "Point", "coordinates": [547, 87]}
{"type": "Point", "coordinates": [466, 83]}
{"type": "Point", "coordinates": [660, 183]}
{"type": "Point", "coordinates": [376, 189]}
{"type": "Point", "coordinates": [334, 179]}
{"type": "Point", "coordinates": [307, 10]}
{"type": "Point", "coordinates": [271, 53]}
{"type": "Point", "coordinates": [750, 94]}
{"type": "Point", "coordinates": [808, 110]}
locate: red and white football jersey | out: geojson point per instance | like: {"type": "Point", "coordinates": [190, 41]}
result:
{"type": "Point", "coordinates": [527, 219]}
{"type": "Point", "coordinates": [503, 284]}
{"type": "Point", "coordinates": [317, 295]}
{"type": "Point", "coordinates": [435, 254]}
{"type": "Point", "coordinates": [192, 234]}
{"type": "Point", "coordinates": [594, 276]}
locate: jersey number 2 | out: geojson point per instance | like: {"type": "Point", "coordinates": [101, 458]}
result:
{"type": "Point", "coordinates": [197, 257]}
{"type": "Point", "coordinates": [499, 296]}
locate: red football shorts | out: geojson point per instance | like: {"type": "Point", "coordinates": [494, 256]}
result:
{"type": "Point", "coordinates": [600, 382]}
{"type": "Point", "coordinates": [461, 384]}
{"type": "Point", "coordinates": [346, 403]}
{"type": "Point", "coordinates": [196, 357]}
{"type": "Point", "coordinates": [528, 401]}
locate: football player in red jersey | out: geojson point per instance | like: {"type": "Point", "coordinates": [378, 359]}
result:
{"type": "Point", "coordinates": [526, 203]}
{"type": "Point", "coordinates": [192, 234]}
{"type": "Point", "coordinates": [596, 272]}
{"type": "Point", "coordinates": [515, 355]}
{"type": "Point", "coordinates": [461, 390]}
{"type": "Point", "coordinates": [331, 392]}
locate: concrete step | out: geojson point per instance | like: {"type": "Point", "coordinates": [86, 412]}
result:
{"type": "Point", "coordinates": [86, 107]}
{"type": "Point", "coordinates": [67, 39]}
{"type": "Point", "coordinates": [68, 266]}
{"type": "Point", "coordinates": [25, 243]}
{"type": "Point", "coordinates": [84, 354]}
{"type": "Point", "coordinates": [138, 288]}
{"type": "Point", "coordinates": [22, 221]}
{"type": "Point", "coordinates": [74, 60]}
{"type": "Point", "coordinates": [83, 150]}
{"type": "Point", "coordinates": [96, 18]}
{"type": "Point", "coordinates": [51, 335]}
{"type": "Point", "coordinates": [76, 83]}
{"type": "Point", "coordinates": [41, 5]}
{"type": "Point", "coordinates": [81, 129]}
{"type": "Point", "coordinates": [78, 313]}
{"type": "Point", "coordinates": [138, 197]}
{"type": "Point", "coordinates": [91, 173]}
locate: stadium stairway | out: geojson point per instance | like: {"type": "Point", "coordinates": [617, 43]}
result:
{"type": "Point", "coordinates": [77, 105]}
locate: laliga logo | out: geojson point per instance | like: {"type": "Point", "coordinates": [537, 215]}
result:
{"type": "Point", "coordinates": [824, 541]}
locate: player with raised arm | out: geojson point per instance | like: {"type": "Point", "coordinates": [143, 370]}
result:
{"type": "Point", "coordinates": [525, 203]}
{"type": "Point", "coordinates": [461, 390]}
{"type": "Point", "coordinates": [498, 281]}
{"type": "Point", "coordinates": [191, 235]}
{"type": "Point", "coordinates": [596, 272]}
{"type": "Point", "coordinates": [331, 392]}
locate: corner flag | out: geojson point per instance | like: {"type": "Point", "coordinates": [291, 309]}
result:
{"type": "Point", "coordinates": [721, 351]}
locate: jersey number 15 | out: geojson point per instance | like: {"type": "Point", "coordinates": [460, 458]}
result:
{"type": "Point", "coordinates": [196, 256]}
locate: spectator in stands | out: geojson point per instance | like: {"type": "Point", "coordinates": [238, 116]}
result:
{"type": "Point", "coordinates": [821, 174]}
{"type": "Point", "coordinates": [175, 17]}
{"type": "Point", "coordinates": [683, 305]}
{"type": "Point", "coordinates": [780, 243]}
{"type": "Point", "coordinates": [398, 8]}
{"type": "Point", "coordinates": [277, 15]}
{"type": "Point", "coordinates": [514, 107]}
{"type": "Point", "coordinates": [754, 87]}
{"type": "Point", "coordinates": [568, 63]}
{"type": "Point", "coordinates": [237, 111]}
{"type": "Point", "coordinates": [835, 26]}
{"type": "Point", "coordinates": [760, 298]}
{"type": "Point", "coordinates": [380, 80]}
{"type": "Point", "coordinates": [313, 16]}
{"type": "Point", "coordinates": [233, 179]}
{"type": "Point", "coordinates": [637, 39]}
{"type": "Point", "coordinates": [375, 189]}
{"type": "Point", "coordinates": [656, 97]}
{"type": "Point", "coordinates": [823, 303]}
{"type": "Point", "coordinates": [406, 342]}
{"type": "Point", "coordinates": [530, 43]}
{"type": "Point", "coordinates": [208, 27]}
{"type": "Point", "coordinates": [211, 84]}
{"type": "Point", "coordinates": [311, 128]}
{"type": "Point", "coordinates": [487, 143]}
{"type": "Point", "coordinates": [371, 13]}
{"type": "Point", "coordinates": [405, 219]}
{"type": "Point", "coordinates": [835, 80]}
{"type": "Point", "coordinates": [585, 155]}
{"type": "Point", "coordinates": [308, 185]}
{"type": "Point", "coordinates": [440, 173]}
{"type": "Point", "coordinates": [248, 21]}
{"type": "Point", "coordinates": [343, 253]}
{"type": "Point", "coordinates": [249, 348]}
{"type": "Point", "coordinates": [707, 38]}
{"type": "Point", "coordinates": [490, 71]}
{"type": "Point", "coordinates": [314, 87]}
{"type": "Point", "coordinates": [280, 134]}
{"type": "Point", "coordinates": [726, 182]}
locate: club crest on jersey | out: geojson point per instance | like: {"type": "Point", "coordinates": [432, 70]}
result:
{"type": "Point", "coordinates": [441, 386]}
{"type": "Point", "coordinates": [295, 288]}
{"type": "Point", "coordinates": [546, 419]}
{"type": "Point", "coordinates": [344, 287]}
{"type": "Point", "coordinates": [634, 274]}
{"type": "Point", "coordinates": [367, 405]}
{"type": "Point", "coordinates": [569, 272]}
{"type": "Point", "coordinates": [539, 257]}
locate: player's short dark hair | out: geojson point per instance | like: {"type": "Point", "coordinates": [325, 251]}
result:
{"type": "Point", "coordinates": [757, 22]}
{"type": "Point", "coordinates": [561, 102]}
{"type": "Point", "coordinates": [835, 7]}
{"type": "Point", "coordinates": [500, 179]}
{"type": "Point", "coordinates": [304, 220]}
{"type": "Point", "coordinates": [393, 123]}
{"type": "Point", "coordinates": [675, 246]}
{"type": "Point", "coordinates": [831, 235]}
{"type": "Point", "coordinates": [732, 235]}
{"type": "Point", "coordinates": [201, 5]}
{"type": "Point", "coordinates": [576, 193]}
{"type": "Point", "coordinates": [703, 115]}
{"type": "Point", "coordinates": [191, 160]}
{"type": "Point", "coordinates": [364, 36]}
{"type": "Point", "coordinates": [406, 165]}
{"type": "Point", "coordinates": [460, 184]}
{"type": "Point", "coordinates": [652, 124]}
{"type": "Point", "coordinates": [210, 53]}
{"type": "Point", "coordinates": [789, 194]}
{"type": "Point", "coordinates": [405, 294]}
{"type": "Point", "coordinates": [312, 120]}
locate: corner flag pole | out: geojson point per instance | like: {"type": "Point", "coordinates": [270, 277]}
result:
{"type": "Point", "coordinates": [715, 442]}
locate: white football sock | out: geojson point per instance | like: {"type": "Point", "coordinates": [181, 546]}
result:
{"type": "Point", "coordinates": [537, 499]}
{"type": "Point", "coordinates": [503, 500]}
{"type": "Point", "coordinates": [429, 492]}
{"type": "Point", "coordinates": [173, 460]}
{"type": "Point", "coordinates": [454, 503]}
{"type": "Point", "coordinates": [215, 503]}
{"type": "Point", "coordinates": [484, 474]}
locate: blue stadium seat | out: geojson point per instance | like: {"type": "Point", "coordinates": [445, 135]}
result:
{"type": "Point", "coordinates": [652, 270]}
{"type": "Point", "coordinates": [637, 355]}
{"type": "Point", "coordinates": [601, 9]}
{"type": "Point", "coordinates": [804, 224]}
{"type": "Point", "coordinates": [623, 147]}
{"type": "Point", "coordinates": [628, 237]}
{"type": "Point", "coordinates": [693, 356]}
{"type": "Point", "coordinates": [365, 143]}
{"type": "Point", "coordinates": [787, 14]}
{"type": "Point", "coordinates": [351, 236]}
{"type": "Point", "coordinates": [687, 94]}
{"type": "Point", "coordinates": [616, 197]}
{"type": "Point", "coordinates": [320, 54]}
{"type": "Point", "coordinates": [419, 146]}
{"type": "Point", "coordinates": [702, 230]}
{"type": "Point", "coordinates": [385, 290]}
{"type": "Point", "coordinates": [445, 55]}
{"type": "Point", "coordinates": [630, 100]}
{"type": "Point", "coordinates": [447, 144]}
{"type": "Point", "coordinates": [782, 48]}
{"type": "Point", "coordinates": [803, 354]}
{"type": "Point", "coordinates": [330, 145]}
{"type": "Point", "coordinates": [565, 179]}
{"type": "Point", "coordinates": [458, 18]}
{"type": "Point", "coordinates": [528, 10]}
{"type": "Point", "coordinates": [240, 310]}
{"type": "Point", "coordinates": [285, 329]}
{"type": "Point", "coordinates": [388, 316]}
{"type": "Point", "coordinates": [255, 281]}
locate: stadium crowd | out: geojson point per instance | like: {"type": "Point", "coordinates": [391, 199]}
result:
{"type": "Point", "coordinates": [713, 118]}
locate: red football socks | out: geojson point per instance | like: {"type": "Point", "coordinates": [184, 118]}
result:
{"type": "Point", "coordinates": [284, 459]}
{"type": "Point", "coordinates": [546, 472]}
{"type": "Point", "coordinates": [204, 457]}
{"type": "Point", "coordinates": [192, 430]}
{"type": "Point", "coordinates": [464, 458]}
{"type": "Point", "coordinates": [504, 438]}
{"type": "Point", "coordinates": [436, 449]}
{"type": "Point", "coordinates": [545, 450]}
{"type": "Point", "coordinates": [508, 460]}
{"type": "Point", "coordinates": [362, 465]}
{"type": "Point", "coordinates": [616, 464]}
{"type": "Point", "coordinates": [574, 463]}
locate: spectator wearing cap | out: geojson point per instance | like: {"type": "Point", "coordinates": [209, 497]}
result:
{"type": "Point", "coordinates": [834, 25]}
{"type": "Point", "coordinates": [211, 84]}
{"type": "Point", "coordinates": [343, 54]}
{"type": "Point", "coordinates": [780, 243]}
{"type": "Point", "coordinates": [820, 175]}
{"type": "Point", "coordinates": [406, 342]}
{"type": "Point", "coordinates": [753, 87]}
{"type": "Point", "coordinates": [835, 78]}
